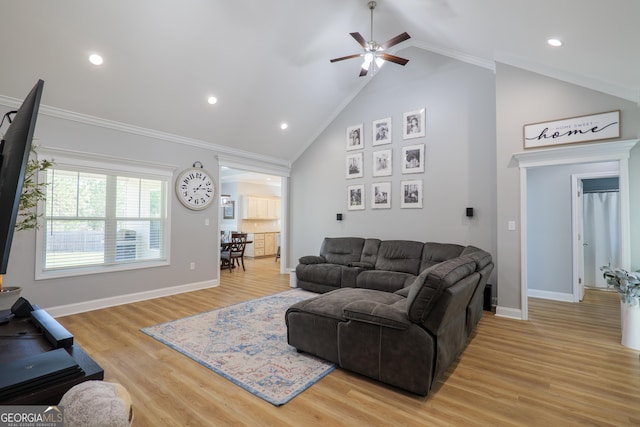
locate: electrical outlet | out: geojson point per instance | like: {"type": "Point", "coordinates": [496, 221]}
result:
{"type": "Point", "coordinates": [511, 226]}
{"type": "Point", "coordinates": [206, 222]}
{"type": "Point", "coordinates": [192, 266]}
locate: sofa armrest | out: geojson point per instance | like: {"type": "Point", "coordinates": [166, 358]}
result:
{"type": "Point", "coordinates": [363, 265]}
{"type": "Point", "coordinates": [376, 313]}
{"type": "Point", "coordinates": [312, 259]}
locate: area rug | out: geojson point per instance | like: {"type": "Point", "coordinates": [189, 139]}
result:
{"type": "Point", "coordinates": [247, 344]}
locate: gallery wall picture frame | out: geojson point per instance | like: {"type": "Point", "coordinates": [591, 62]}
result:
{"type": "Point", "coordinates": [355, 197]}
{"type": "Point", "coordinates": [382, 163]}
{"type": "Point", "coordinates": [381, 131]}
{"type": "Point", "coordinates": [413, 159]}
{"type": "Point", "coordinates": [381, 195]}
{"type": "Point", "coordinates": [411, 194]}
{"type": "Point", "coordinates": [228, 210]}
{"type": "Point", "coordinates": [355, 137]}
{"type": "Point", "coordinates": [413, 124]}
{"type": "Point", "coordinates": [355, 166]}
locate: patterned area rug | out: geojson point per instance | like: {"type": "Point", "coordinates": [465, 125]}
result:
{"type": "Point", "coordinates": [247, 344]}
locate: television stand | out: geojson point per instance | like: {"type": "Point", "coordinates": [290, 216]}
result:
{"type": "Point", "coordinates": [20, 338]}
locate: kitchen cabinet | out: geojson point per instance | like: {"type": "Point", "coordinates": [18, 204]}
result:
{"type": "Point", "coordinates": [264, 244]}
{"type": "Point", "coordinates": [256, 207]}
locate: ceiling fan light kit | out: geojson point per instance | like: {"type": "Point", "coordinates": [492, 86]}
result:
{"type": "Point", "coordinates": [373, 55]}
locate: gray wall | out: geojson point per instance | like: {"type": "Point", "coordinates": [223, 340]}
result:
{"type": "Point", "coordinates": [460, 159]}
{"type": "Point", "coordinates": [191, 240]}
{"type": "Point", "coordinates": [524, 97]}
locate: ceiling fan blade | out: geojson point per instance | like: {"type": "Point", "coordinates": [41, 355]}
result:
{"type": "Point", "coordinates": [363, 72]}
{"type": "Point", "coordinates": [394, 41]}
{"type": "Point", "coordinates": [345, 57]}
{"type": "Point", "coordinates": [359, 39]}
{"type": "Point", "coordinates": [394, 59]}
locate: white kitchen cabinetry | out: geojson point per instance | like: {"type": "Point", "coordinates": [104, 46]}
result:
{"type": "Point", "coordinates": [264, 244]}
{"type": "Point", "coordinates": [255, 207]}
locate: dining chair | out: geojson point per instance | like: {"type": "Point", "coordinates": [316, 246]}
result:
{"type": "Point", "coordinates": [235, 253]}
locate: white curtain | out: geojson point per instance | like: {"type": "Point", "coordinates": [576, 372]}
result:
{"type": "Point", "coordinates": [601, 235]}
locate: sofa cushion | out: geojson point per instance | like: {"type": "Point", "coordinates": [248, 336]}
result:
{"type": "Point", "coordinates": [399, 255]}
{"type": "Point", "coordinates": [377, 313]}
{"type": "Point", "coordinates": [324, 274]}
{"type": "Point", "coordinates": [434, 253]}
{"type": "Point", "coordinates": [381, 280]}
{"type": "Point", "coordinates": [482, 258]}
{"type": "Point", "coordinates": [370, 251]}
{"type": "Point", "coordinates": [342, 250]}
{"type": "Point", "coordinates": [430, 284]}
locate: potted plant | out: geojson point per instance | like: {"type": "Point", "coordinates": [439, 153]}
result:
{"type": "Point", "coordinates": [28, 218]}
{"type": "Point", "coordinates": [628, 286]}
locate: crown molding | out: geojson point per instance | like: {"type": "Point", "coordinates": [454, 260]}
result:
{"type": "Point", "coordinates": [609, 88]}
{"type": "Point", "coordinates": [455, 54]}
{"type": "Point", "coordinates": [240, 155]}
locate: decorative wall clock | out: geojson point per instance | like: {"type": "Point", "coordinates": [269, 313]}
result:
{"type": "Point", "coordinates": [195, 187]}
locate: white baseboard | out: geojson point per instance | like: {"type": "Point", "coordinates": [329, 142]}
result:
{"type": "Point", "coordinates": [81, 307]}
{"type": "Point", "coordinates": [511, 313]}
{"type": "Point", "coordinates": [555, 296]}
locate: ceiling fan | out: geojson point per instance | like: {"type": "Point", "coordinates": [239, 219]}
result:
{"type": "Point", "coordinates": [374, 56]}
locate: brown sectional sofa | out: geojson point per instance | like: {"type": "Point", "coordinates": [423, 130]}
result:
{"type": "Point", "coordinates": [397, 311]}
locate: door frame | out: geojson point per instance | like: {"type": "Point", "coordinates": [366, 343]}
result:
{"type": "Point", "coordinates": [573, 154]}
{"type": "Point", "coordinates": [268, 168]}
{"type": "Point", "coordinates": [577, 218]}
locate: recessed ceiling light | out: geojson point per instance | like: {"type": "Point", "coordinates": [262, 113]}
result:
{"type": "Point", "coordinates": [212, 100]}
{"type": "Point", "coordinates": [96, 59]}
{"type": "Point", "coordinates": [554, 42]}
{"type": "Point", "coordinates": [283, 126]}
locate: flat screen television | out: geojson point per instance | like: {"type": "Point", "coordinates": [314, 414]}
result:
{"type": "Point", "coordinates": [14, 155]}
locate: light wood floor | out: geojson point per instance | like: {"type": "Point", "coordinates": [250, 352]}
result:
{"type": "Point", "coordinates": [563, 367]}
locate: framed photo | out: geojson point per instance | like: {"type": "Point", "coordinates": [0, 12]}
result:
{"type": "Point", "coordinates": [594, 127]}
{"type": "Point", "coordinates": [355, 137]}
{"type": "Point", "coordinates": [381, 195]}
{"type": "Point", "coordinates": [354, 166]}
{"type": "Point", "coordinates": [413, 158]}
{"type": "Point", "coordinates": [413, 124]}
{"type": "Point", "coordinates": [411, 194]}
{"type": "Point", "coordinates": [381, 131]}
{"type": "Point", "coordinates": [382, 163]}
{"type": "Point", "coordinates": [228, 210]}
{"type": "Point", "coordinates": [355, 197]}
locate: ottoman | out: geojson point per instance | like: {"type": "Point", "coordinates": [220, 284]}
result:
{"type": "Point", "coordinates": [312, 325]}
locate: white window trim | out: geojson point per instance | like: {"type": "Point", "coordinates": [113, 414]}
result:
{"type": "Point", "coordinates": [77, 159]}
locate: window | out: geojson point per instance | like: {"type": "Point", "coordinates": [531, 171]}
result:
{"type": "Point", "coordinates": [102, 216]}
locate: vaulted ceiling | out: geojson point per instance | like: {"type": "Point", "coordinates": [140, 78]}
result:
{"type": "Point", "coordinates": [267, 62]}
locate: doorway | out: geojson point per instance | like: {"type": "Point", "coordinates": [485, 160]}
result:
{"type": "Point", "coordinates": [253, 204]}
{"type": "Point", "coordinates": [618, 152]}
{"type": "Point", "coordinates": [601, 228]}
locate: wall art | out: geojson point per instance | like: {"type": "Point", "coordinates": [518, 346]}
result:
{"type": "Point", "coordinates": [355, 139]}
{"type": "Point", "coordinates": [382, 163]}
{"type": "Point", "coordinates": [355, 197]}
{"type": "Point", "coordinates": [381, 131]}
{"type": "Point", "coordinates": [413, 124]}
{"type": "Point", "coordinates": [413, 158]}
{"type": "Point", "coordinates": [411, 194]}
{"type": "Point", "coordinates": [381, 195]}
{"type": "Point", "coordinates": [228, 210]}
{"type": "Point", "coordinates": [594, 127]}
{"type": "Point", "coordinates": [355, 168]}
